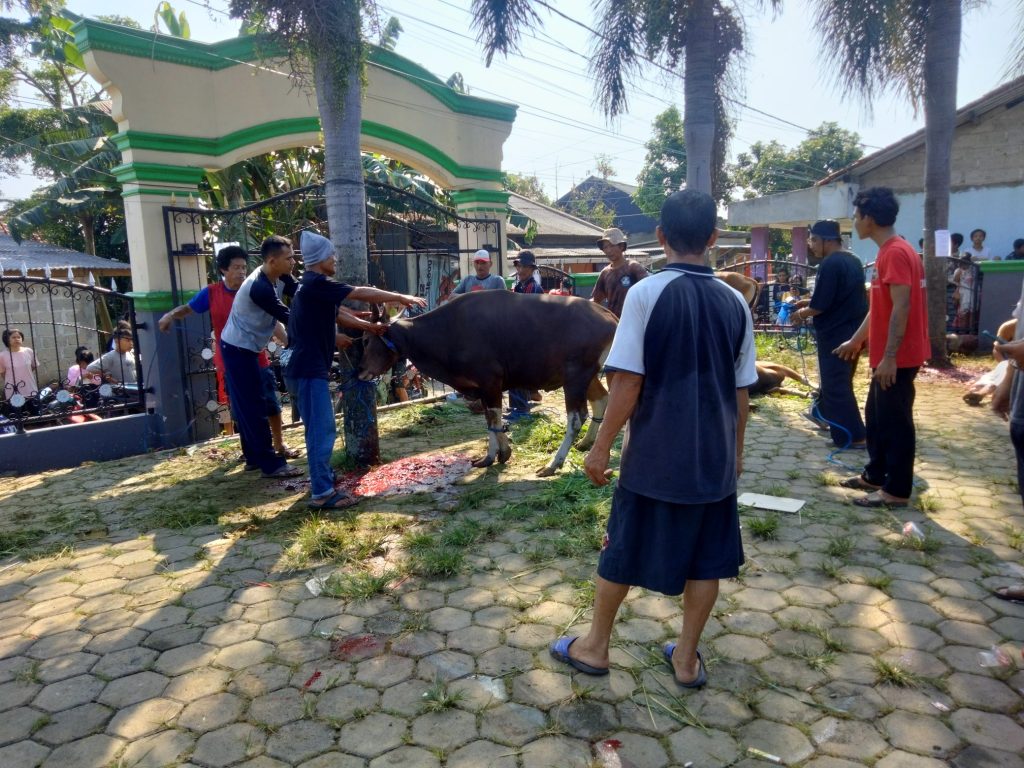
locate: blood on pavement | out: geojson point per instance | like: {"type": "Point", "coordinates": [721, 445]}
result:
{"type": "Point", "coordinates": [410, 475]}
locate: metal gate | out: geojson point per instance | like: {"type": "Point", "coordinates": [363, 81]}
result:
{"type": "Point", "coordinates": [413, 246]}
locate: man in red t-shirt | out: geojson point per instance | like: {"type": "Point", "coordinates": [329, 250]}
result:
{"type": "Point", "coordinates": [896, 331]}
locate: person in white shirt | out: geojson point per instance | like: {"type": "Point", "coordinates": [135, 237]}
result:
{"type": "Point", "coordinates": [978, 250]}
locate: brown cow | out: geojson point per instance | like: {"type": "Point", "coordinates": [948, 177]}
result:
{"type": "Point", "coordinates": [484, 343]}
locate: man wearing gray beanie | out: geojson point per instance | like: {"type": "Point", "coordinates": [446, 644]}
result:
{"type": "Point", "coordinates": [316, 312]}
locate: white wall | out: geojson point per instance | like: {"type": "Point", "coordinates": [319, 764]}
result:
{"type": "Point", "coordinates": [997, 210]}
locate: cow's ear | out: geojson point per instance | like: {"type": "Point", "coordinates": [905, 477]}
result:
{"type": "Point", "coordinates": [375, 313]}
{"type": "Point", "coordinates": [382, 313]}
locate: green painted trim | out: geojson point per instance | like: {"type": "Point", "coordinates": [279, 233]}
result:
{"type": "Point", "coordinates": [1014, 265]}
{"type": "Point", "coordinates": [162, 142]}
{"type": "Point", "coordinates": [463, 196]}
{"type": "Point", "coordinates": [138, 173]}
{"type": "Point", "coordinates": [156, 192]}
{"type": "Point", "coordinates": [429, 151]}
{"type": "Point", "coordinates": [429, 82]}
{"type": "Point", "coordinates": [92, 35]}
{"type": "Point", "coordinates": [199, 145]}
{"type": "Point", "coordinates": [157, 301]}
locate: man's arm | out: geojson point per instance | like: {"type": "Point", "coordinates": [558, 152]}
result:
{"type": "Point", "coordinates": [373, 295]}
{"type": "Point", "coordinates": [742, 412]}
{"type": "Point", "coordinates": [886, 370]}
{"type": "Point", "coordinates": [348, 319]}
{"type": "Point", "coordinates": [265, 297]}
{"type": "Point", "coordinates": [178, 313]}
{"type": "Point", "coordinates": [461, 287]}
{"type": "Point", "coordinates": [850, 350]}
{"type": "Point", "coordinates": [623, 394]}
{"type": "Point", "coordinates": [599, 294]}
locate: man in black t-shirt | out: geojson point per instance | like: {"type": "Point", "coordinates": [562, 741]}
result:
{"type": "Point", "coordinates": [312, 330]}
{"type": "Point", "coordinates": [838, 307]}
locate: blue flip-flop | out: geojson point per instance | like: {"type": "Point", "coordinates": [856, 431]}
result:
{"type": "Point", "coordinates": [560, 651]}
{"type": "Point", "coordinates": [702, 673]}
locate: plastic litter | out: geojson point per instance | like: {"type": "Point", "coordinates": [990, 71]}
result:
{"type": "Point", "coordinates": [315, 585]}
{"type": "Point", "coordinates": [996, 657]}
{"type": "Point", "coordinates": [608, 756]}
{"type": "Point", "coordinates": [774, 503]}
{"type": "Point", "coordinates": [913, 531]}
{"type": "Point", "coordinates": [754, 752]}
{"type": "Point", "coordinates": [940, 706]}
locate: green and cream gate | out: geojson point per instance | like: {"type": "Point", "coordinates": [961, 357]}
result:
{"type": "Point", "coordinates": [184, 107]}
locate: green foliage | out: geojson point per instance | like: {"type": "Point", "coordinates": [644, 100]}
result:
{"type": "Point", "coordinates": [770, 167]}
{"type": "Point", "coordinates": [389, 34]}
{"type": "Point", "coordinates": [176, 26]}
{"type": "Point", "coordinates": [587, 205]}
{"type": "Point", "coordinates": [664, 169]}
{"type": "Point", "coordinates": [527, 186]}
{"type": "Point", "coordinates": [603, 164]}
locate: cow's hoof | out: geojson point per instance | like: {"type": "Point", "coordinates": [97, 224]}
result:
{"type": "Point", "coordinates": [545, 472]}
{"type": "Point", "coordinates": [486, 461]}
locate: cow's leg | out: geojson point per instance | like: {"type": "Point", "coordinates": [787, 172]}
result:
{"type": "Point", "coordinates": [598, 397]}
{"type": "Point", "coordinates": [497, 439]}
{"type": "Point", "coordinates": [575, 415]}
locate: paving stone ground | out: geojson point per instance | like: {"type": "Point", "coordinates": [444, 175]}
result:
{"type": "Point", "coordinates": [164, 619]}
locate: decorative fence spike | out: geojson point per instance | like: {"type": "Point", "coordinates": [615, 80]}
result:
{"type": "Point", "coordinates": [92, 281]}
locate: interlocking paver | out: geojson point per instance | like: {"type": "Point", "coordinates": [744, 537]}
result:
{"type": "Point", "coordinates": [72, 724]}
{"type": "Point", "coordinates": [158, 750]}
{"type": "Point", "coordinates": [99, 749]}
{"type": "Point", "coordinates": [144, 718]}
{"type": "Point", "coordinates": [228, 745]}
{"type": "Point", "coordinates": [298, 741]}
{"type": "Point", "coordinates": [257, 659]}
{"type": "Point", "coordinates": [68, 693]}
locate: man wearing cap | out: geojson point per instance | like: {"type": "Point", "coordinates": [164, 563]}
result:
{"type": "Point", "coordinates": [312, 329]}
{"type": "Point", "coordinates": [526, 282]}
{"type": "Point", "coordinates": [620, 274]}
{"type": "Point", "coordinates": [838, 307]}
{"type": "Point", "coordinates": [483, 280]}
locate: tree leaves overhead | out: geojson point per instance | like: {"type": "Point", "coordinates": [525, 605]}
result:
{"type": "Point", "coordinates": [664, 169]}
{"type": "Point", "coordinates": [873, 45]}
{"type": "Point", "coordinates": [499, 24]}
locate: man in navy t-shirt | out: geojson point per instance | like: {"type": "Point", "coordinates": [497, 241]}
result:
{"type": "Point", "coordinates": [679, 368]}
{"type": "Point", "coordinates": [838, 308]}
{"type": "Point", "coordinates": [312, 330]}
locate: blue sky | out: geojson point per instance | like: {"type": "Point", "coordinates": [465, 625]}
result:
{"type": "Point", "coordinates": [559, 130]}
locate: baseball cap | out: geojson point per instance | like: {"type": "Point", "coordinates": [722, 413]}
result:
{"type": "Point", "coordinates": [482, 255]}
{"type": "Point", "coordinates": [826, 229]}
{"type": "Point", "coordinates": [526, 259]}
{"type": "Point", "coordinates": [614, 236]}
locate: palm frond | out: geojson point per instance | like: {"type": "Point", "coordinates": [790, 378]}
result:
{"type": "Point", "coordinates": [621, 37]}
{"type": "Point", "coordinates": [499, 24]}
{"type": "Point", "coordinates": [1015, 67]}
{"type": "Point", "coordinates": [874, 45]}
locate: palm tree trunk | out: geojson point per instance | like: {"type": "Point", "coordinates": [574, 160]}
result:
{"type": "Point", "coordinates": [699, 96]}
{"type": "Point", "coordinates": [941, 62]}
{"type": "Point", "coordinates": [341, 118]}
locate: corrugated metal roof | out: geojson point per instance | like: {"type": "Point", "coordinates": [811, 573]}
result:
{"type": "Point", "coordinates": [37, 256]}
{"type": "Point", "coordinates": [552, 221]}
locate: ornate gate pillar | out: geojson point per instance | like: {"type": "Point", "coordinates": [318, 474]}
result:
{"type": "Point", "coordinates": [489, 204]}
{"type": "Point", "coordinates": [147, 188]}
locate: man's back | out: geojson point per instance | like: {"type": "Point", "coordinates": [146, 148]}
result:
{"type": "Point", "coordinates": [691, 337]}
{"type": "Point", "coordinates": [839, 293]}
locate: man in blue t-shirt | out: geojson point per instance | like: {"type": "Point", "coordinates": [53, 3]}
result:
{"type": "Point", "coordinates": [312, 330]}
{"type": "Point", "coordinates": [483, 280]}
{"type": "Point", "coordinates": [678, 369]}
{"type": "Point", "coordinates": [838, 307]}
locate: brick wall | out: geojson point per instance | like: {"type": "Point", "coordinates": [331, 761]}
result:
{"type": "Point", "coordinates": [986, 153]}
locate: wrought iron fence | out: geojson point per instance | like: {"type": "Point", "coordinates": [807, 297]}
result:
{"type": "Point", "coordinates": [413, 244]}
{"type": "Point", "coordinates": [68, 367]}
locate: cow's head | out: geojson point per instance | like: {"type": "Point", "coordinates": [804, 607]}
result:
{"type": "Point", "coordinates": [379, 353]}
